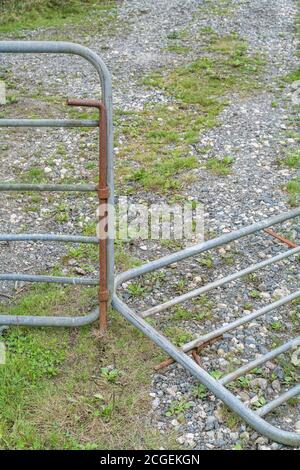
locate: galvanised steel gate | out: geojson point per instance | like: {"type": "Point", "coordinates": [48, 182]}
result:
{"type": "Point", "coordinates": [104, 188]}
{"type": "Point", "coordinates": [109, 285]}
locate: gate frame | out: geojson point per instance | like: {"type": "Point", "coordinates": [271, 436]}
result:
{"type": "Point", "coordinates": [105, 189]}
{"type": "Point", "coordinates": [180, 355]}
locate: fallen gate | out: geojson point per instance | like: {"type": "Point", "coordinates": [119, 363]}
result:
{"type": "Point", "coordinates": [108, 284]}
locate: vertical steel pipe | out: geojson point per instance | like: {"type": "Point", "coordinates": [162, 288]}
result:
{"type": "Point", "coordinates": [103, 193]}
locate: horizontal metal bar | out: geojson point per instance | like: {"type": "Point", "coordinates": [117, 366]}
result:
{"type": "Point", "coordinates": [47, 187]}
{"type": "Point", "coordinates": [205, 246]}
{"type": "Point", "coordinates": [218, 283]}
{"type": "Point", "coordinates": [47, 238]}
{"type": "Point", "coordinates": [279, 401]}
{"type": "Point", "coordinates": [260, 360]}
{"type": "Point", "coordinates": [50, 279]}
{"type": "Point", "coordinates": [28, 320]}
{"type": "Point", "coordinates": [62, 47]}
{"type": "Point", "coordinates": [48, 123]}
{"type": "Point", "coordinates": [240, 321]}
{"type": "Point", "coordinates": [289, 438]}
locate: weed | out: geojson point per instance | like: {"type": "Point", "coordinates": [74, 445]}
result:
{"type": "Point", "coordinates": [178, 407]}
{"type": "Point", "coordinates": [206, 261]}
{"type": "Point", "coordinates": [259, 402]}
{"type": "Point", "coordinates": [220, 166]}
{"type": "Point", "coordinates": [136, 289]}
{"type": "Point", "coordinates": [179, 314]}
{"type": "Point", "coordinates": [292, 76]}
{"type": "Point", "coordinates": [159, 139]}
{"type": "Point", "coordinates": [173, 35]}
{"type": "Point", "coordinates": [216, 374]}
{"type": "Point", "coordinates": [276, 325]}
{"type": "Point", "coordinates": [254, 294]}
{"type": "Point", "coordinates": [237, 446]}
{"type": "Point", "coordinates": [293, 189]}
{"type": "Point", "coordinates": [243, 382]}
{"type": "Point", "coordinates": [177, 335]}
{"type": "Point", "coordinates": [110, 375]}
{"type": "Point", "coordinates": [292, 160]}
{"type": "Point", "coordinates": [229, 417]}
{"type": "Point", "coordinates": [199, 391]}
{"type": "Point", "coordinates": [177, 48]}
{"type": "Point", "coordinates": [34, 175]}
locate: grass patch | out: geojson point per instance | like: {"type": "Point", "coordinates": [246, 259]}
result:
{"type": "Point", "coordinates": [177, 48]}
{"type": "Point", "coordinates": [292, 160]}
{"type": "Point", "coordinates": [219, 8]}
{"type": "Point", "coordinates": [230, 418]}
{"type": "Point", "coordinates": [293, 190]}
{"type": "Point", "coordinates": [292, 76]}
{"type": "Point", "coordinates": [156, 177]}
{"type": "Point", "coordinates": [70, 389]}
{"type": "Point", "coordinates": [220, 166]}
{"type": "Point", "coordinates": [178, 335]}
{"type": "Point", "coordinates": [200, 310]}
{"type": "Point", "coordinates": [178, 407]}
{"type": "Point", "coordinates": [30, 14]}
{"type": "Point", "coordinates": [158, 144]}
{"type": "Point", "coordinates": [34, 175]}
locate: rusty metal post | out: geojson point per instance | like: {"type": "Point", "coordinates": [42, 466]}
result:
{"type": "Point", "coordinates": [279, 237]}
{"type": "Point", "coordinates": [103, 193]}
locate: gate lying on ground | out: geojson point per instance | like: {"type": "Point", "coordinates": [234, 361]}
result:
{"type": "Point", "coordinates": [108, 284]}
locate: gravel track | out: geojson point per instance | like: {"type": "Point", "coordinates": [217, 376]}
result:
{"type": "Point", "coordinates": [251, 129]}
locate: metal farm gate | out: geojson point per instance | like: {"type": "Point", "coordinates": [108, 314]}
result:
{"type": "Point", "coordinates": [108, 283]}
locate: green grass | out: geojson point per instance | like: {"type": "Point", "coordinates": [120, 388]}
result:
{"type": "Point", "coordinates": [219, 8]}
{"type": "Point", "coordinates": [292, 160]}
{"type": "Point", "coordinates": [178, 335]}
{"type": "Point", "coordinates": [230, 418]}
{"type": "Point", "coordinates": [220, 166]}
{"type": "Point", "coordinates": [34, 175]}
{"type": "Point", "coordinates": [293, 190]}
{"type": "Point", "coordinates": [206, 261]}
{"type": "Point", "coordinates": [197, 312]}
{"type": "Point", "coordinates": [177, 48]}
{"type": "Point", "coordinates": [158, 141]}
{"type": "Point", "coordinates": [71, 388]}
{"type": "Point", "coordinates": [292, 76]}
{"type": "Point", "coordinates": [157, 176]}
{"type": "Point", "coordinates": [31, 14]}
{"type": "Point", "coordinates": [178, 407]}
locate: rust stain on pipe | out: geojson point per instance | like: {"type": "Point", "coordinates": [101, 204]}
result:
{"type": "Point", "coordinates": [103, 193]}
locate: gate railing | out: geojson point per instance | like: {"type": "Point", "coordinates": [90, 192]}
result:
{"type": "Point", "coordinates": [108, 286]}
{"type": "Point", "coordinates": [104, 189]}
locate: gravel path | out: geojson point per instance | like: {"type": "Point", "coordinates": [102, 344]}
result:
{"type": "Point", "coordinates": [256, 130]}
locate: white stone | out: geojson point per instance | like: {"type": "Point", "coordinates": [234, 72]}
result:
{"type": "Point", "coordinates": [280, 292]}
